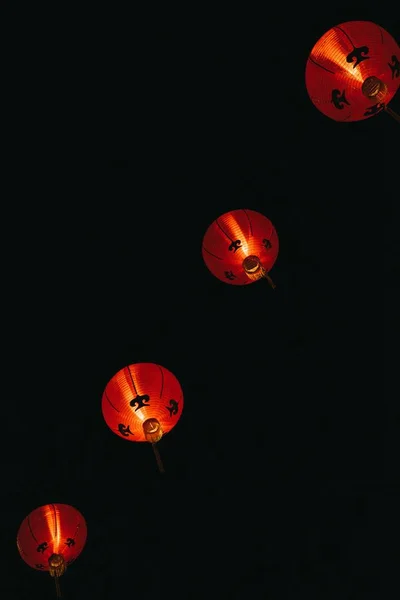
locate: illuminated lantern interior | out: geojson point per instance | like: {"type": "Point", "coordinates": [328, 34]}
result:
{"type": "Point", "coordinates": [143, 402]}
{"type": "Point", "coordinates": [51, 537]}
{"type": "Point", "coordinates": [240, 247]}
{"type": "Point", "coordinates": [353, 71]}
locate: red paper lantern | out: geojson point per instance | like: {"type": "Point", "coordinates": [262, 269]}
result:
{"type": "Point", "coordinates": [352, 72]}
{"type": "Point", "coordinates": [143, 402]}
{"type": "Point", "coordinates": [240, 247]}
{"type": "Point", "coordinates": [51, 537]}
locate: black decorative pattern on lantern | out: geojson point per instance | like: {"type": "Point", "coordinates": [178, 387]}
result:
{"type": "Point", "coordinates": [395, 66]}
{"type": "Point", "coordinates": [235, 245]}
{"type": "Point", "coordinates": [39, 566]}
{"type": "Point", "coordinates": [339, 99]}
{"type": "Point", "coordinates": [70, 542]}
{"type": "Point", "coordinates": [229, 275]}
{"type": "Point", "coordinates": [375, 109]}
{"type": "Point", "coordinates": [357, 55]}
{"type": "Point", "coordinates": [42, 547]}
{"type": "Point", "coordinates": [172, 408]}
{"type": "Point", "coordinates": [124, 430]}
{"type": "Point", "coordinates": [267, 243]}
{"type": "Point", "coordinates": [140, 401]}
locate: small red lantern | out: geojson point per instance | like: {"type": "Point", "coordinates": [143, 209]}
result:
{"type": "Point", "coordinates": [240, 247]}
{"type": "Point", "coordinates": [143, 402]}
{"type": "Point", "coordinates": [353, 71]}
{"type": "Point", "coordinates": [51, 537]}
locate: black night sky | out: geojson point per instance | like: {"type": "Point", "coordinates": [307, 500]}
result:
{"type": "Point", "coordinates": [282, 474]}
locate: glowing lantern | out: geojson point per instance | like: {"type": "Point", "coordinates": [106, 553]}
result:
{"type": "Point", "coordinates": [51, 537]}
{"type": "Point", "coordinates": [240, 247]}
{"type": "Point", "coordinates": [143, 402]}
{"type": "Point", "coordinates": [353, 71]}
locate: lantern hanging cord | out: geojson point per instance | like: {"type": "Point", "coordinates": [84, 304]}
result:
{"type": "Point", "coordinates": [58, 589]}
{"type": "Point", "coordinates": [268, 278]}
{"type": "Point", "coordinates": [393, 114]}
{"type": "Point", "coordinates": [158, 458]}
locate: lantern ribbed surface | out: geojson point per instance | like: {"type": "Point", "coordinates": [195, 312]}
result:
{"type": "Point", "coordinates": [342, 60]}
{"type": "Point", "coordinates": [48, 530]}
{"type": "Point", "coordinates": [140, 392]}
{"type": "Point", "coordinates": [233, 237]}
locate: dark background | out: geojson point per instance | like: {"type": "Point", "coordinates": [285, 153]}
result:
{"type": "Point", "coordinates": [282, 474]}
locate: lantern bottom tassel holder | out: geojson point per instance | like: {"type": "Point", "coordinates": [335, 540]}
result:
{"type": "Point", "coordinates": [375, 90]}
{"type": "Point", "coordinates": [57, 567]}
{"type": "Point", "coordinates": [254, 270]}
{"type": "Point", "coordinates": [153, 434]}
